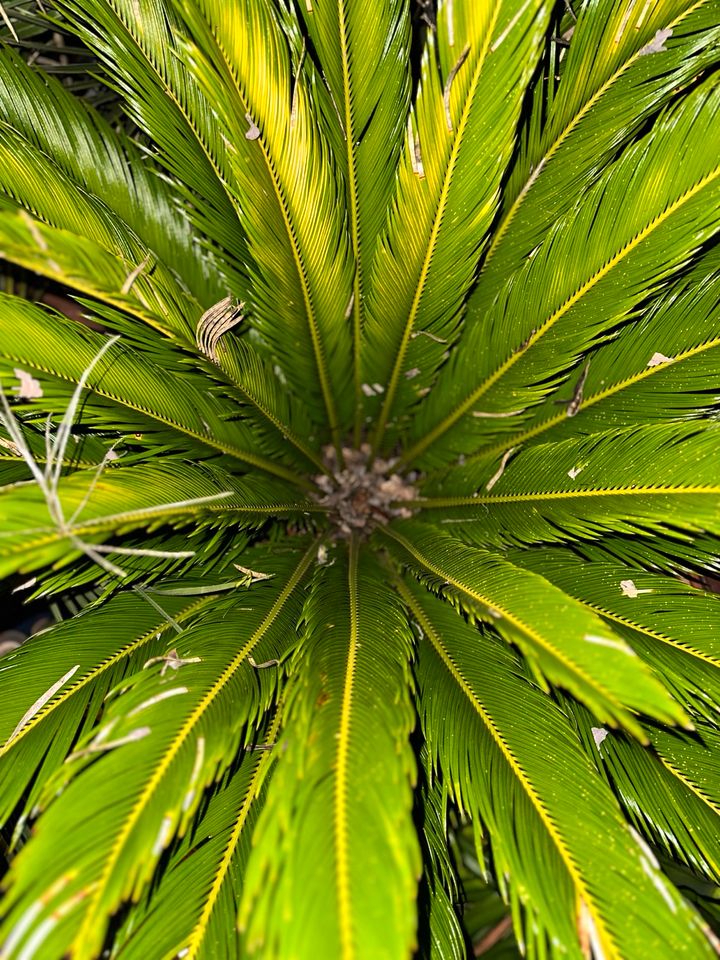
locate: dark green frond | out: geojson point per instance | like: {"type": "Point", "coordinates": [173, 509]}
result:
{"type": "Point", "coordinates": [339, 804]}
{"type": "Point", "coordinates": [613, 81]}
{"type": "Point", "coordinates": [179, 733]}
{"type": "Point", "coordinates": [586, 657]}
{"type": "Point", "coordinates": [659, 477]}
{"type": "Point", "coordinates": [474, 70]}
{"type": "Point", "coordinates": [287, 190]}
{"type": "Point", "coordinates": [547, 813]}
{"type": "Point", "coordinates": [637, 226]}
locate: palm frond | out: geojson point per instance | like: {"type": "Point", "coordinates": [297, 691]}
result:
{"type": "Point", "coordinates": [474, 70]}
{"type": "Point", "coordinates": [587, 658]}
{"type": "Point", "coordinates": [663, 806]}
{"type": "Point", "coordinates": [640, 480]}
{"type": "Point", "coordinates": [672, 626]}
{"type": "Point", "coordinates": [138, 43]}
{"type": "Point", "coordinates": [84, 147]}
{"type": "Point", "coordinates": [287, 189]}
{"type": "Point", "coordinates": [128, 498]}
{"type": "Point", "coordinates": [592, 113]}
{"type": "Point", "coordinates": [205, 873]}
{"type": "Point", "coordinates": [363, 50]}
{"type": "Point", "coordinates": [543, 819]}
{"type": "Point", "coordinates": [637, 226]}
{"type": "Point", "coordinates": [339, 804]}
{"type": "Point", "coordinates": [664, 366]}
{"type": "Point", "coordinates": [440, 934]}
{"type": "Point", "coordinates": [152, 732]}
{"type": "Point", "coordinates": [159, 399]}
{"type": "Point", "coordinates": [93, 652]}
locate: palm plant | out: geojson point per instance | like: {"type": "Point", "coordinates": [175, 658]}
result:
{"type": "Point", "coordinates": [392, 459]}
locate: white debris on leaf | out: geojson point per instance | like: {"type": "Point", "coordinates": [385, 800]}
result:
{"type": "Point", "coordinates": [12, 447]}
{"type": "Point", "coordinates": [157, 698]}
{"type": "Point", "coordinates": [42, 700]}
{"type": "Point", "coordinates": [170, 661]}
{"type": "Point", "coordinates": [599, 734]}
{"type": "Point", "coordinates": [29, 388]}
{"type": "Point", "coordinates": [657, 44]}
{"type": "Point", "coordinates": [657, 358]}
{"type": "Point", "coordinates": [163, 836]}
{"type": "Point", "coordinates": [412, 373]}
{"type": "Point", "coordinates": [253, 575]}
{"type": "Point", "coordinates": [253, 131]}
{"type": "Point", "coordinates": [26, 585]}
{"type": "Point", "coordinates": [496, 415]}
{"type": "Point", "coordinates": [134, 274]}
{"type": "Point", "coordinates": [362, 492]}
{"type": "Point", "coordinates": [629, 589]}
{"type": "Point", "coordinates": [500, 470]}
{"type": "Point", "coordinates": [101, 745]}
{"type": "Point", "coordinates": [574, 471]}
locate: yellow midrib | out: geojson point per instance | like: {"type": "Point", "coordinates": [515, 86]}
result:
{"type": "Point", "coordinates": [85, 935]}
{"type": "Point", "coordinates": [653, 634]}
{"type": "Point", "coordinates": [102, 523]}
{"type": "Point", "coordinates": [354, 214]}
{"type": "Point", "coordinates": [462, 408]}
{"type": "Point", "coordinates": [697, 791]}
{"type": "Point", "coordinates": [516, 439]}
{"type": "Point", "coordinates": [40, 265]}
{"type": "Point", "coordinates": [517, 769]}
{"type": "Point", "coordinates": [257, 461]}
{"type": "Point", "coordinates": [432, 503]}
{"type": "Point", "coordinates": [347, 944]}
{"type": "Point", "coordinates": [434, 233]}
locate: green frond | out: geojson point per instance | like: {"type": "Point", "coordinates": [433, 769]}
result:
{"type": "Point", "coordinates": [83, 265]}
{"type": "Point", "coordinates": [587, 657]}
{"type": "Point", "coordinates": [439, 932]}
{"type": "Point", "coordinates": [126, 498]}
{"type": "Point", "coordinates": [663, 366]}
{"type": "Point", "coordinates": [662, 805]}
{"type": "Point", "coordinates": [40, 111]}
{"type": "Point", "coordinates": [164, 401]}
{"type": "Point", "coordinates": [637, 226]}
{"type": "Point", "coordinates": [288, 192]}
{"type": "Point", "coordinates": [93, 652]}
{"type": "Point", "coordinates": [612, 82]}
{"type": "Point", "coordinates": [692, 759]}
{"type": "Point", "coordinates": [139, 43]}
{"type": "Point", "coordinates": [359, 380]}
{"type": "Point", "coordinates": [158, 738]}
{"type": "Point", "coordinates": [363, 50]}
{"type": "Point", "coordinates": [254, 380]}
{"type": "Point", "coordinates": [474, 71]}
{"type": "Point", "coordinates": [205, 873]}
{"type": "Point", "coordinates": [656, 477]}
{"type": "Point", "coordinates": [545, 811]}
{"type": "Point", "coordinates": [339, 804]}
{"type": "Point", "coordinates": [672, 626]}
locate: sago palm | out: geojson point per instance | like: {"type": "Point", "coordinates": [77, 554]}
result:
{"type": "Point", "coordinates": [391, 454]}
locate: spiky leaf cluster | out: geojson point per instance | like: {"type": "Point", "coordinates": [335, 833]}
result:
{"type": "Point", "coordinates": [390, 444]}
